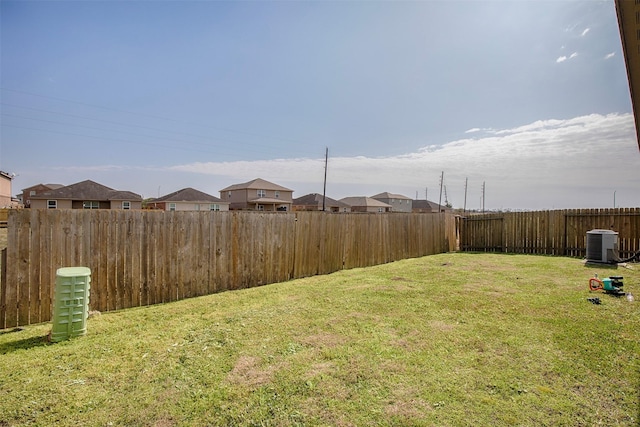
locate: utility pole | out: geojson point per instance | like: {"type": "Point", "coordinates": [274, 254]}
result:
{"type": "Point", "coordinates": [483, 189]}
{"type": "Point", "coordinates": [324, 190]}
{"type": "Point", "coordinates": [440, 200]}
{"type": "Point", "coordinates": [466, 181]}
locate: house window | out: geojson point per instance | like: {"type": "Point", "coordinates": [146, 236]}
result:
{"type": "Point", "coordinates": [229, 194]}
{"type": "Point", "coordinates": [262, 193]}
{"type": "Point", "coordinates": [196, 206]}
{"type": "Point", "coordinates": [32, 193]}
{"type": "Point", "coordinates": [52, 204]}
{"type": "Point", "coordinates": [126, 205]}
{"type": "Point", "coordinates": [91, 205]}
{"type": "Point", "coordinates": [380, 210]}
{"type": "Point", "coordinates": [172, 206]}
{"type": "Point", "coordinates": [277, 194]}
{"type": "Point", "coordinates": [260, 207]}
{"type": "Point", "coordinates": [214, 207]}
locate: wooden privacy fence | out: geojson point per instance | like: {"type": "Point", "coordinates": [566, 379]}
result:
{"type": "Point", "coordinates": [147, 257]}
{"type": "Point", "coordinates": [559, 232]}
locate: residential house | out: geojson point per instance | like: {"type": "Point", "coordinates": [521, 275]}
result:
{"type": "Point", "coordinates": [315, 202]}
{"type": "Point", "coordinates": [34, 190]}
{"type": "Point", "coordinates": [366, 204]}
{"type": "Point", "coordinates": [426, 206]}
{"type": "Point", "coordinates": [5, 190]}
{"type": "Point", "coordinates": [188, 199]}
{"type": "Point", "coordinates": [86, 195]}
{"type": "Point", "coordinates": [398, 202]}
{"type": "Point", "coordinates": [258, 195]}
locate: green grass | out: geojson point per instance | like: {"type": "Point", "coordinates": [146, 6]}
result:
{"type": "Point", "coordinates": [445, 340]}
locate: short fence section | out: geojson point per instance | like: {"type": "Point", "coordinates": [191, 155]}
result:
{"type": "Point", "coordinates": [561, 232]}
{"type": "Point", "coordinates": [147, 257]}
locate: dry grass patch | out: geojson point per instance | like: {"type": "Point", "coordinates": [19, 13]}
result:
{"type": "Point", "coordinates": [248, 371]}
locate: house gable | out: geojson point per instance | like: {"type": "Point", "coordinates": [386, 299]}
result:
{"type": "Point", "coordinates": [366, 204]}
{"type": "Point", "coordinates": [188, 199]}
{"type": "Point", "coordinates": [313, 202]}
{"type": "Point", "coordinates": [398, 202]}
{"type": "Point", "coordinates": [86, 195]}
{"type": "Point", "coordinates": [258, 194]}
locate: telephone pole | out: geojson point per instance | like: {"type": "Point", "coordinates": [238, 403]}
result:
{"type": "Point", "coordinates": [483, 189]}
{"type": "Point", "coordinates": [466, 181]}
{"type": "Point", "coordinates": [324, 190]}
{"type": "Point", "coordinates": [440, 200]}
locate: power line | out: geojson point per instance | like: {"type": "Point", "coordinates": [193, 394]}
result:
{"type": "Point", "coordinates": [150, 115]}
{"type": "Point", "coordinates": [174, 147]}
{"type": "Point", "coordinates": [113, 130]}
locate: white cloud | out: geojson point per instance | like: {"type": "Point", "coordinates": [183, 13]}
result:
{"type": "Point", "coordinates": [564, 58]}
{"type": "Point", "coordinates": [475, 130]}
{"type": "Point", "coordinates": [545, 164]}
{"type": "Point", "coordinates": [584, 33]}
{"type": "Point", "coordinates": [609, 55]}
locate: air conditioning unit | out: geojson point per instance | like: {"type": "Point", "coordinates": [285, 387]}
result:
{"type": "Point", "coordinates": [602, 246]}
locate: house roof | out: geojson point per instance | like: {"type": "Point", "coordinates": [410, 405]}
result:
{"type": "Point", "coordinates": [258, 184]}
{"type": "Point", "coordinates": [6, 175]}
{"type": "Point", "coordinates": [364, 201]}
{"type": "Point", "coordinates": [387, 195]}
{"type": "Point", "coordinates": [188, 195]}
{"type": "Point", "coordinates": [315, 199]}
{"type": "Point", "coordinates": [427, 204]}
{"type": "Point", "coordinates": [49, 186]}
{"type": "Point", "coordinates": [87, 190]}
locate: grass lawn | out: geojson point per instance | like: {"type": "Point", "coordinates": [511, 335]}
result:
{"type": "Point", "coordinates": [445, 340]}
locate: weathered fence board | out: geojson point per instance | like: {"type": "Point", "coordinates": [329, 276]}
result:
{"type": "Point", "coordinates": [561, 232]}
{"type": "Point", "coordinates": [147, 257]}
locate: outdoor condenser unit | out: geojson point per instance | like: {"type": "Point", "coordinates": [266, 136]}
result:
{"type": "Point", "coordinates": [602, 246]}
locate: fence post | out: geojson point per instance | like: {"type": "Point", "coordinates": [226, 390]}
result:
{"type": "Point", "coordinates": [3, 287]}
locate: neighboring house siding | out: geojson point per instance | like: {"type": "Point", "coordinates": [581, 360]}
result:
{"type": "Point", "coordinates": [191, 206]}
{"type": "Point", "coordinates": [398, 202]}
{"type": "Point", "coordinates": [188, 199]}
{"type": "Point", "coordinates": [258, 195]}
{"type": "Point", "coordinates": [366, 205]}
{"type": "Point", "coordinates": [43, 204]}
{"type": "Point", "coordinates": [85, 195]}
{"type": "Point", "coordinates": [36, 190]}
{"type": "Point", "coordinates": [5, 190]}
{"type": "Point", "coordinates": [398, 205]}
{"type": "Point", "coordinates": [315, 201]}
{"type": "Point", "coordinates": [117, 204]}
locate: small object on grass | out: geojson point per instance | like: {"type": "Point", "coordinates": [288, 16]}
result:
{"type": "Point", "coordinates": [630, 297]}
{"type": "Point", "coordinates": [594, 300]}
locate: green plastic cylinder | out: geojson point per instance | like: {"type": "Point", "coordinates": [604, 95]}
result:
{"type": "Point", "coordinates": [71, 303]}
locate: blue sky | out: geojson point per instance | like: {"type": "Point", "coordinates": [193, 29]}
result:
{"type": "Point", "coordinates": [528, 97]}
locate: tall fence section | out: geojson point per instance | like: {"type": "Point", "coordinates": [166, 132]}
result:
{"type": "Point", "coordinates": [147, 257]}
{"type": "Point", "coordinates": [560, 232]}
